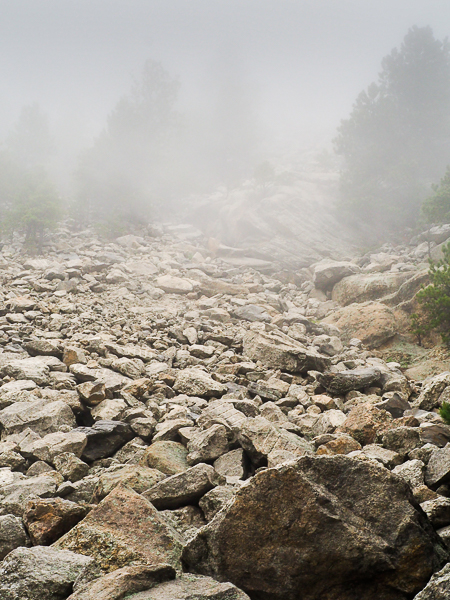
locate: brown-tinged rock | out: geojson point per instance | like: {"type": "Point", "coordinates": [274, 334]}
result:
{"type": "Point", "coordinates": [124, 529]}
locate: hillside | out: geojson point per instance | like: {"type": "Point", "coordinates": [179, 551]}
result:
{"type": "Point", "coordinates": [222, 414]}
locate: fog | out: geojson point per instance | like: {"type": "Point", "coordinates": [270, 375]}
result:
{"type": "Point", "coordinates": [255, 76]}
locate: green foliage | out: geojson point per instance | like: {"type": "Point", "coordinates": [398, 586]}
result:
{"type": "Point", "coordinates": [29, 203]}
{"type": "Point", "coordinates": [435, 298]}
{"type": "Point", "coordinates": [444, 411]}
{"type": "Point", "coordinates": [436, 208]}
{"type": "Point", "coordinates": [393, 144]}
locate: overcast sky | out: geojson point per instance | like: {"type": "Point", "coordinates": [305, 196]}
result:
{"type": "Point", "coordinates": [303, 61]}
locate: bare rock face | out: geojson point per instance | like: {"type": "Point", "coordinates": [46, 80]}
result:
{"type": "Point", "coordinates": [360, 288]}
{"type": "Point", "coordinates": [344, 381]}
{"type": "Point", "coordinates": [329, 272]}
{"type": "Point", "coordinates": [192, 587]}
{"type": "Point", "coordinates": [438, 588]}
{"type": "Point", "coordinates": [39, 572]}
{"type": "Point", "coordinates": [329, 528]}
{"type": "Point", "coordinates": [371, 322]}
{"type": "Point", "coordinates": [282, 352]}
{"type": "Point", "coordinates": [123, 582]}
{"type": "Point", "coordinates": [125, 529]}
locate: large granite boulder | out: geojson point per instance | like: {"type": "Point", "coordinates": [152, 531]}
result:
{"type": "Point", "coordinates": [371, 322]}
{"type": "Point", "coordinates": [331, 528]}
{"type": "Point", "coordinates": [279, 351]}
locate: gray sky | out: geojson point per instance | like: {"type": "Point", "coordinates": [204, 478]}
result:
{"type": "Point", "coordinates": [302, 61]}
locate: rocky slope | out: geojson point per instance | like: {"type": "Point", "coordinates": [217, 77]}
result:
{"type": "Point", "coordinates": [176, 425]}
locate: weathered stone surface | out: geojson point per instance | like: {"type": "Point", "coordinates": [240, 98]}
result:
{"type": "Point", "coordinates": [70, 466]}
{"type": "Point", "coordinates": [275, 539]}
{"type": "Point", "coordinates": [192, 587]}
{"type": "Point", "coordinates": [370, 286]}
{"type": "Point", "coordinates": [14, 495]}
{"type": "Point", "coordinates": [166, 456]}
{"type": "Point", "coordinates": [328, 272]}
{"type": "Point", "coordinates": [134, 477]}
{"type": "Point", "coordinates": [429, 397]}
{"type": "Point", "coordinates": [208, 445]}
{"type": "Point", "coordinates": [435, 433]}
{"type": "Point", "coordinates": [371, 322]}
{"type": "Point", "coordinates": [215, 500]}
{"type": "Point", "coordinates": [48, 519]}
{"type": "Point", "coordinates": [232, 464]}
{"type": "Point", "coordinates": [344, 381]}
{"type": "Point", "coordinates": [184, 488]}
{"type": "Point", "coordinates": [282, 352]}
{"type": "Point", "coordinates": [412, 471]}
{"type": "Point", "coordinates": [258, 437]}
{"type": "Point", "coordinates": [27, 368]}
{"type": "Point", "coordinates": [438, 467]}
{"type": "Point", "coordinates": [174, 285]}
{"type": "Point", "coordinates": [39, 572]}
{"type": "Point", "coordinates": [344, 444]}
{"type": "Point", "coordinates": [402, 439]}
{"type": "Point", "coordinates": [438, 511]}
{"type": "Point", "coordinates": [195, 382]}
{"type": "Point", "coordinates": [53, 444]}
{"type": "Point", "coordinates": [123, 530]}
{"type": "Point", "coordinates": [123, 582]}
{"type": "Point", "coordinates": [438, 588]}
{"type": "Point", "coordinates": [41, 416]}
{"type": "Point", "coordinates": [92, 392]}
{"type": "Point", "coordinates": [12, 534]}
{"type": "Point", "coordinates": [364, 422]}
{"type": "Point", "coordinates": [104, 438]}
{"type": "Point", "coordinates": [252, 313]}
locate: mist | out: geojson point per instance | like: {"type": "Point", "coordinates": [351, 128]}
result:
{"type": "Point", "coordinates": [256, 80]}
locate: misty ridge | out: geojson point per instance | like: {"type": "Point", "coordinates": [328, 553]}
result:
{"type": "Point", "coordinates": [201, 148]}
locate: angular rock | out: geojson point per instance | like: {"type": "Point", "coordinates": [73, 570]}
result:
{"type": "Point", "coordinates": [39, 572]}
{"type": "Point", "coordinates": [328, 272]}
{"type": "Point", "coordinates": [166, 456]}
{"type": "Point", "coordinates": [12, 534]}
{"type": "Point", "coordinates": [41, 416]}
{"type": "Point", "coordinates": [345, 381]}
{"type": "Point", "coordinates": [282, 352]}
{"type": "Point", "coordinates": [275, 539]}
{"type": "Point", "coordinates": [124, 530]}
{"type": "Point", "coordinates": [438, 588]}
{"type": "Point", "coordinates": [184, 488]}
{"type": "Point", "coordinates": [104, 438]}
{"type": "Point", "coordinates": [134, 477]}
{"type": "Point", "coordinates": [192, 587]}
{"type": "Point", "coordinates": [207, 445]}
{"type": "Point", "coordinates": [48, 519]}
{"type": "Point", "coordinates": [438, 467]}
{"type": "Point", "coordinates": [371, 322]}
{"type": "Point", "coordinates": [123, 582]}
{"type": "Point", "coordinates": [258, 437]}
{"type": "Point", "coordinates": [364, 422]}
{"type": "Point", "coordinates": [195, 382]}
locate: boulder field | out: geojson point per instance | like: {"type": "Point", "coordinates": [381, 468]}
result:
{"type": "Point", "coordinates": [178, 426]}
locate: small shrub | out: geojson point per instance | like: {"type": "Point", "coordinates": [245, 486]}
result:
{"type": "Point", "coordinates": [444, 411]}
{"type": "Point", "coordinates": [435, 300]}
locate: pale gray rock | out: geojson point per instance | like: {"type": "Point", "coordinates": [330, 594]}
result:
{"type": "Point", "coordinates": [184, 488]}
{"type": "Point", "coordinates": [41, 416]}
{"type": "Point", "coordinates": [208, 445]}
{"type": "Point", "coordinates": [195, 382]}
{"type": "Point", "coordinates": [12, 534]}
{"type": "Point", "coordinates": [279, 351]}
{"type": "Point", "coordinates": [40, 572]}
